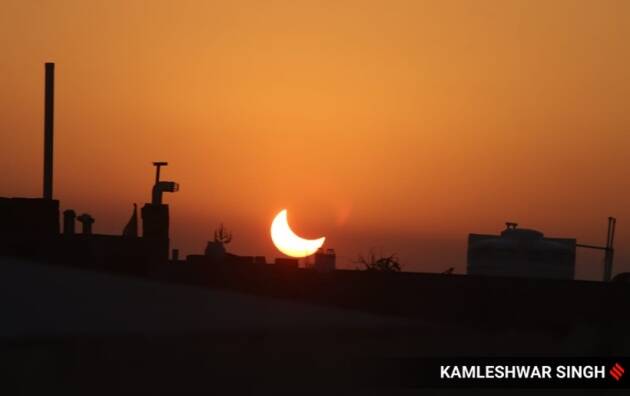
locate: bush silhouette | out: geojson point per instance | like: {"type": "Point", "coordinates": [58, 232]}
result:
{"type": "Point", "coordinates": [372, 262]}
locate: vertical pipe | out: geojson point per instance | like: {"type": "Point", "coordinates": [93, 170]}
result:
{"type": "Point", "coordinates": [608, 257]}
{"type": "Point", "coordinates": [607, 254]}
{"type": "Point", "coordinates": [49, 104]}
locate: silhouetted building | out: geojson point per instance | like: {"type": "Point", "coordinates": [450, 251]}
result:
{"type": "Point", "coordinates": [286, 262]}
{"type": "Point", "coordinates": [215, 251]}
{"type": "Point", "coordinates": [231, 259]}
{"type": "Point", "coordinates": [69, 222]}
{"type": "Point", "coordinates": [27, 224]}
{"type": "Point", "coordinates": [29, 227]}
{"type": "Point", "coordinates": [521, 252]}
{"type": "Point", "coordinates": [325, 260]}
{"type": "Point", "coordinates": [217, 257]}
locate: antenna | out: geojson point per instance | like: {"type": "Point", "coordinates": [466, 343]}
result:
{"type": "Point", "coordinates": [609, 250]}
{"type": "Point", "coordinates": [608, 256]}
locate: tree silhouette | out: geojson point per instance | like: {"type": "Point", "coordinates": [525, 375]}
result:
{"type": "Point", "coordinates": [222, 235]}
{"type": "Point", "coordinates": [382, 263]}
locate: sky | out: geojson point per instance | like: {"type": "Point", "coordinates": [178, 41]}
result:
{"type": "Point", "coordinates": [397, 126]}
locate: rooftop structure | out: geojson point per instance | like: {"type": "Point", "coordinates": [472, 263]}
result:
{"type": "Point", "coordinates": [521, 252]}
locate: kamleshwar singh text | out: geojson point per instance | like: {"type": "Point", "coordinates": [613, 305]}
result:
{"type": "Point", "coordinates": [522, 372]}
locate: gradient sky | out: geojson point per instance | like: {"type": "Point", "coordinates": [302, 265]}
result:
{"type": "Point", "coordinates": [395, 125]}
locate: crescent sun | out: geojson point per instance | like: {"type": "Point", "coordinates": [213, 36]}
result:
{"type": "Point", "coordinates": [288, 242]}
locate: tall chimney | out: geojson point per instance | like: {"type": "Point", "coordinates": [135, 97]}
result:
{"type": "Point", "coordinates": [49, 104]}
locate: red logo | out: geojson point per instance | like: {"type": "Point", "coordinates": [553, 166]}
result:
{"type": "Point", "coordinates": [617, 371]}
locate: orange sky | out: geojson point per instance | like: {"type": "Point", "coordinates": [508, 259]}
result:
{"type": "Point", "coordinates": [398, 125]}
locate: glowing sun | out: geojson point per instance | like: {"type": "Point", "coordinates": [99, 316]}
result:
{"type": "Point", "coordinates": [288, 242]}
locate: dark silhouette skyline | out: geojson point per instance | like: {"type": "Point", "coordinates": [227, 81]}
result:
{"type": "Point", "coordinates": [411, 128]}
{"type": "Point", "coordinates": [516, 252]}
{"type": "Point", "coordinates": [518, 281]}
{"type": "Point", "coordinates": [462, 127]}
{"type": "Point", "coordinates": [33, 232]}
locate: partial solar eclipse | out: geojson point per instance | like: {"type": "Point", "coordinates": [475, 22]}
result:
{"type": "Point", "coordinates": [288, 242]}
